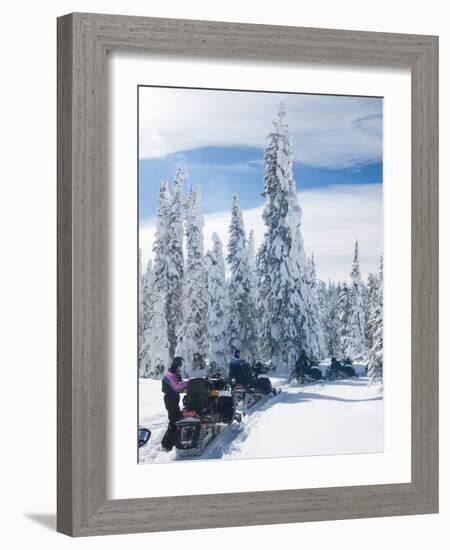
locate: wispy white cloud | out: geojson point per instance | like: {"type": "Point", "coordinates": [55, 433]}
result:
{"type": "Point", "coordinates": [333, 218]}
{"type": "Point", "coordinates": [226, 168]}
{"type": "Point", "coordinates": [328, 131]}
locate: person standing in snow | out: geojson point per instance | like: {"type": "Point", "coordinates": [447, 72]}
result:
{"type": "Point", "coordinates": [172, 385]}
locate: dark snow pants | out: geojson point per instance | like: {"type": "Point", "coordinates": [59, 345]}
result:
{"type": "Point", "coordinates": [172, 403]}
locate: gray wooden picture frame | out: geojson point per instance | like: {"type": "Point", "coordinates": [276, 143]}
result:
{"type": "Point", "coordinates": [83, 41]}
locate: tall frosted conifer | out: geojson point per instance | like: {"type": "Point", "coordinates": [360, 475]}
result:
{"type": "Point", "coordinates": [154, 355]}
{"type": "Point", "coordinates": [145, 295]}
{"type": "Point", "coordinates": [217, 306]}
{"type": "Point", "coordinates": [371, 304]}
{"type": "Point", "coordinates": [237, 260]}
{"type": "Point", "coordinates": [242, 322]}
{"type": "Point", "coordinates": [332, 334]}
{"type": "Point", "coordinates": [175, 261]}
{"type": "Point", "coordinates": [344, 312]}
{"type": "Point", "coordinates": [281, 260]}
{"type": "Point", "coordinates": [316, 315]}
{"type": "Point", "coordinates": [255, 325]}
{"type": "Point", "coordinates": [192, 342]}
{"type": "Point", "coordinates": [375, 323]}
{"type": "Point", "coordinates": [140, 281]}
{"type": "Point", "coordinates": [356, 348]}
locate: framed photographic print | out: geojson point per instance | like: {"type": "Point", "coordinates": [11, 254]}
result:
{"type": "Point", "coordinates": [247, 274]}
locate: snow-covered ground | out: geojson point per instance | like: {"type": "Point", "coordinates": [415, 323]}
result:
{"type": "Point", "coordinates": [331, 418]}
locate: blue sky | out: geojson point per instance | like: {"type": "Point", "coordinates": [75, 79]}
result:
{"type": "Point", "coordinates": [221, 171]}
{"type": "Point", "coordinates": [219, 138]}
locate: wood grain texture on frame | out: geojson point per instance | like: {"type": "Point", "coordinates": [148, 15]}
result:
{"type": "Point", "coordinates": [83, 314]}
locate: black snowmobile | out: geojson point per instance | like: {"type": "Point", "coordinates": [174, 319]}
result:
{"type": "Point", "coordinates": [208, 407]}
{"type": "Point", "coordinates": [306, 376]}
{"type": "Point", "coordinates": [348, 368]}
{"type": "Point", "coordinates": [250, 384]}
{"type": "Point", "coordinates": [306, 372]}
{"type": "Point", "coordinates": [340, 371]}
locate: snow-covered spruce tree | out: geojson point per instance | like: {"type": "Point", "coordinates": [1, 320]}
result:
{"type": "Point", "coordinates": [371, 302]}
{"type": "Point", "coordinates": [322, 295]}
{"type": "Point", "coordinates": [237, 259]}
{"type": "Point", "coordinates": [356, 343]}
{"type": "Point", "coordinates": [344, 313]}
{"type": "Point", "coordinates": [175, 261]}
{"type": "Point", "coordinates": [255, 336]}
{"type": "Point", "coordinates": [217, 306]}
{"type": "Point", "coordinates": [145, 285]}
{"type": "Point", "coordinates": [375, 364]}
{"type": "Point", "coordinates": [140, 277]}
{"type": "Point", "coordinates": [242, 330]}
{"type": "Point", "coordinates": [192, 343]}
{"type": "Point", "coordinates": [146, 295]}
{"type": "Point", "coordinates": [281, 260]}
{"type": "Point", "coordinates": [332, 318]}
{"type": "Point", "coordinates": [154, 354]}
{"type": "Point", "coordinates": [316, 314]}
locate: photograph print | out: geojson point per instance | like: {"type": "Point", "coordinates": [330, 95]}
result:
{"type": "Point", "coordinates": [260, 318]}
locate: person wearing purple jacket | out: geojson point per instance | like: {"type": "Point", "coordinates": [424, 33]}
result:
{"type": "Point", "coordinates": [172, 385]}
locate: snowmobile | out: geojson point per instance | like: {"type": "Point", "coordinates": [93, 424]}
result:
{"type": "Point", "coordinates": [251, 385]}
{"type": "Point", "coordinates": [309, 373]}
{"type": "Point", "coordinates": [341, 371]}
{"type": "Point", "coordinates": [348, 368]}
{"type": "Point", "coordinates": [208, 407]}
{"type": "Point", "coordinates": [334, 374]}
{"type": "Point", "coordinates": [307, 376]}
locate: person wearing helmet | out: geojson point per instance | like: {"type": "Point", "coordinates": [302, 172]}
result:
{"type": "Point", "coordinates": [235, 364]}
{"type": "Point", "coordinates": [335, 364]}
{"type": "Point", "coordinates": [240, 370]}
{"type": "Point", "coordinates": [172, 385]}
